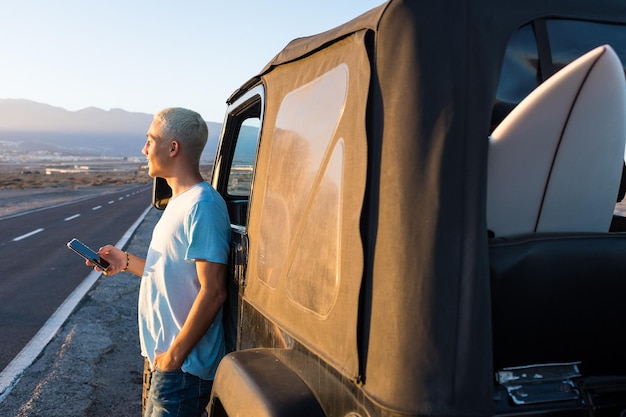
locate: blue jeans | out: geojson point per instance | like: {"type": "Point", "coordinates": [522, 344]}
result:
{"type": "Point", "coordinates": [177, 394]}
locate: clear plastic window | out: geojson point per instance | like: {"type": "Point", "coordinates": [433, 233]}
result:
{"type": "Point", "coordinates": [241, 168]}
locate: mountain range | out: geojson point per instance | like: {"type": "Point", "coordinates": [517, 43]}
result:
{"type": "Point", "coordinates": [27, 127]}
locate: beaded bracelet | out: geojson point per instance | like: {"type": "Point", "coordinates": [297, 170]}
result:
{"type": "Point", "coordinates": [127, 262]}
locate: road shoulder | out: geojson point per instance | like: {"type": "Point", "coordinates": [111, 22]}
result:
{"type": "Point", "coordinates": [93, 366]}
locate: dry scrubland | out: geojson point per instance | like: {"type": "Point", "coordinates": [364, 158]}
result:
{"type": "Point", "coordinates": [15, 179]}
{"type": "Point", "coordinates": [23, 189]}
{"type": "Point", "coordinates": [27, 188]}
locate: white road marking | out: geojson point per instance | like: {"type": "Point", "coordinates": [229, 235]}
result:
{"type": "Point", "coordinates": [96, 207]}
{"type": "Point", "coordinates": [111, 202]}
{"type": "Point", "coordinates": [34, 232]}
{"type": "Point", "coordinates": [11, 374]}
{"type": "Point", "coordinates": [67, 219]}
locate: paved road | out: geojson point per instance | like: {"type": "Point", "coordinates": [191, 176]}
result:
{"type": "Point", "coordinates": [38, 272]}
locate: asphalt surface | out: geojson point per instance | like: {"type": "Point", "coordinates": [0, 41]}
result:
{"type": "Point", "coordinates": [38, 272]}
{"type": "Point", "coordinates": [93, 366]}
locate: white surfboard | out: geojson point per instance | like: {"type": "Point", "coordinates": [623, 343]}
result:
{"type": "Point", "coordinates": [555, 161]}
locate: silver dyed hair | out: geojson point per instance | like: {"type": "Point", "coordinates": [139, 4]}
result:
{"type": "Point", "coordinates": [185, 126]}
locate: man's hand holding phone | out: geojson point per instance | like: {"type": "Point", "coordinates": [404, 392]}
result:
{"type": "Point", "coordinates": [108, 259]}
{"type": "Point", "coordinates": [92, 258]}
{"type": "Point", "coordinates": [118, 259]}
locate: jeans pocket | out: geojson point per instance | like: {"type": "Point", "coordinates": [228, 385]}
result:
{"type": "Point", "coordinates": [178, 393]}
{"type": "Point", "coordinates": [166, 383]}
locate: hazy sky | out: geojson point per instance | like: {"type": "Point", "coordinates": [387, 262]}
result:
{"type": "Point", "coordinates": [144, 55]}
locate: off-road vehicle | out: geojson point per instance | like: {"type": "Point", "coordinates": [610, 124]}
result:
{"type": "Point", "coordinates": [424, 216]}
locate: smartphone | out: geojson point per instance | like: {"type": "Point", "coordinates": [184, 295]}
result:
{"type": "Point", "coordinates": [87, 253]}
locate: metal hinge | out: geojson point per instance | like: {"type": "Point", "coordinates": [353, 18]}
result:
{"type": "Point", "coordinates": [543, 383]}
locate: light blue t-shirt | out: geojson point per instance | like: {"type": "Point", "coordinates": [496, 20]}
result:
{"type": "Point", "coordinates": [194, 225]}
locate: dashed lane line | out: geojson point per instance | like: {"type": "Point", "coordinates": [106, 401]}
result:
{"type": "Point", "coordinates": [10, 375]}
{"type": "Point", "coordinates": [29, 234]}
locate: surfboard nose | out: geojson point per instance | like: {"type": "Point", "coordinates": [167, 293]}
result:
{"type": "Point", "coordinates": [555, 162]}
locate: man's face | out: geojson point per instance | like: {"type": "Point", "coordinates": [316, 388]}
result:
{"type": "Point", "coordinates": [156, 150]}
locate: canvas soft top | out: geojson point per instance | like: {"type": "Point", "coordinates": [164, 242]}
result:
{"type": "Point", "coordinates": [424, 328]}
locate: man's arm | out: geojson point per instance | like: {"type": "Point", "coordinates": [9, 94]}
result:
{"type": "Point", "coordinates": [120, 261]}
{"type": "Point", "coordinates": [212, 295]}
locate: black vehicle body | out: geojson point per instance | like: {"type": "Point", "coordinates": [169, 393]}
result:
{"type": "Point", "coordinates": [367, 283]}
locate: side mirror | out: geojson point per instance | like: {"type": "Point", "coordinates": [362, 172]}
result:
{"type": "Point", "coordinates": [161, 193]}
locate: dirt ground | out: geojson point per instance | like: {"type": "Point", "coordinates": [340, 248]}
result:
{"type": "Point", "coordinates": [23, 189]}
{"type": "Point", "coordinates": [26, 179]}
{"type": "Point", "coordinates": [93, 366]}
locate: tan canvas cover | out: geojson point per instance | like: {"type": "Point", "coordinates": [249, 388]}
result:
{"type": "Point", "coordinates": [306, 255]}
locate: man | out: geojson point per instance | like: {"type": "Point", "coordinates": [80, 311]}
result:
{"type": "Point", "coordinates": [183, 276]}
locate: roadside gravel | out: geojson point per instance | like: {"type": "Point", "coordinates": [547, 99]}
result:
{"type": "Point", "coordinates": [93, 366]}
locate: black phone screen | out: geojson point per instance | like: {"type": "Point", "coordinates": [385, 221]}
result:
{"type": "Point", "coordinates": [87, 253]}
